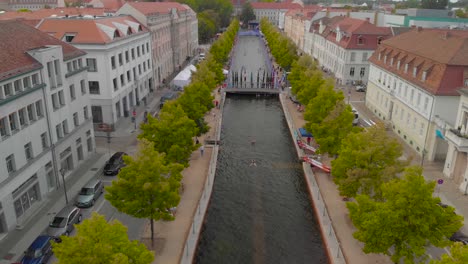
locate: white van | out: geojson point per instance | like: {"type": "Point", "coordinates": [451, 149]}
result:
{"type": "Point", "coordinates": [356, 117]}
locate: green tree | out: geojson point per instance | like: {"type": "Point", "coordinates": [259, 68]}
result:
{"type": "Point", "coordinates": [406, 221]}
{"type": "Point", "coordinates": [434, 4]}
{"type": "Point", "coordinates": [458, 255]}
{"type": "Point", "coordinates": [97, 241]}
{"type": "Point", "coordinates": [146, 187]}
{"type": "Point", "coordinates": [334, 128]}
{"type": "Point", "coordinates": [247, 14]}
{"type": "Point", "coordinates": [172, 133]}
{"type": "Point", "coordinates": [206, 27]}
{"type": "Point", "coordinates": [196, 101]}
{"type": "Point", "coordinates": [366, 160]}
{"type": "Point", "coordinates": [321, 105]}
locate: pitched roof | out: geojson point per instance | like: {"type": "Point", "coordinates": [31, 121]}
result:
{"type": "Point", "coordinates": [351, 29]}
{"type": "Point", "coordinates": [112, 5]}
{"type": "Point", "coordinates": [93, 31]}
{"type": "Point", "coordinates": [147, 8]}
{"type": "Point", "coordinates": [441, 53]}
{"type": "Point", "coordinates": [273, 5]}
{"type": "Point", "coordinates": [55, 12]}
{"type": "Point", "coordinates": [16, 39]}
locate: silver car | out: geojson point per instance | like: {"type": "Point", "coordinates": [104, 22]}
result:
{"type": "Point", "coordinates": [63, 222]}
{"type": "Point", "coordinates": [89, 193]}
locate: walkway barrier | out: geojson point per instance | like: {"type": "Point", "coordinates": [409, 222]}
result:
{"type": "Point", "coordinates": [332, 245]}
{"type": "Point", "coordinates": [199, 216]}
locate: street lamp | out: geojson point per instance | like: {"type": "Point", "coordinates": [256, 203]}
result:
{"type": "Point", "coordinates": [62, 172]}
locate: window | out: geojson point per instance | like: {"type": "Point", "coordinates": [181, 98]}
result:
{"type": "Point", "coordinates": [3, 128]}
{"type": "Point", "coordinates": [13, 122]}
{"type": "Point", "coordinates": [406, 68]}
{"type": "Point", "coordinates": [94, 87]}
{"type": "Point", "coordinates": [127, 59]}
{"type": "Point", "coordinates": [364, 56]}
{"type": "Point", "coordinates": [114, 81]}
{"type": "Point", "coordinates": [133, 53]}
{"type": "Point", "coordinates": [129, 76]}
{"type": "Point", "coordinates": [143, 49]}
{"type": "Point", "coordinates": [65, 127]}
{"type": "Point", "coordinates": [59, 131]}
{"type": "Point", "coordinates": [120, 59]}
{"type": "Point", "coordinates": [35, 79]}
{"type": "Point", "coordinates": [122, 80]}
{"type": "Point", "coordinates": [113, 62]}
{"type": "Point", "coordinates": [7, 90]}
{"type": "Point", "coordinates": [353, 56]}
{"type": "Point", "coordinates": [418, 102]}
{"type": "Point", "coordinates": [28, 151]}
{"type": "Point", "coordinates": [10, 163]}
{"type": "Point", "coordinates": [360, 40]}
{"type": "Point", "coordinates": [92, 67]}
{"type": "Point", "coordinates": [26, 82]}
{"type": "Point", "coordinates": [412, 96]}
{"type": "Point", "coordinates": [147, 47]}
{"type": "Point", "coordinates": [85, 112]}
{"type": "Point", "coordinates": [39, 112]}
{"type": "Point", "coordinates": [415, 71]}
{"type": "Point", "coordinates": [362, 72]}
{"type": "Point", "coordinates": [44, 141]}
{"type": "Point", "coordinates": [415, 120]}
{"type": "Point", "coordinates": [22, 117]}
{"type": "Point", "coordinates": [72, 92]}
{"type": "Point", "coordinates": [61, 98]}
{"type": "Point", "coordinates": [76, 121]}
{"type": "Point", "coordinates": [424, 76]}
{"type": "Point", "coordinates": [426, 103]}
{"type": "Point", "coordinates": [68, 37]}
{"type": "Point", "coordinates": [406, 91]}
{"type": "Point", "coordinates": [17, 85]}
{"type": "Point", "coordinates": [138, 51]}
{"type": "Point", "coordinates": [83, 87]}
{"type": "Point", "coordinates": [398, 65]}
{"type": "Point", "coordinates": [55, 101]}
{"type": "Point", "coordinates": [139, 69]}
{"type": "Point", "coordinates": [421, 129]}
{"type": "Point", "coordinates": [351, 71]}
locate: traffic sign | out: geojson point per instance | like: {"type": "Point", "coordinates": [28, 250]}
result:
{"type": "Point", "coordinates": [440, 181]}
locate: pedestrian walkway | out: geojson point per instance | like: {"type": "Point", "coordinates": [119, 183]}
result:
{"type": "Point", "coordinates": [17, 241]}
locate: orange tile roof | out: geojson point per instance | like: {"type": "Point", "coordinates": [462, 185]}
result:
{"type": "Point", "coordinates": [147, 8]}
{"type": "Point", "coordinates": [442, 53]}
{"type": "Point", "coordinates": [44, 13]}
{"type": "Point", "coordinates": [16, 39]}
{"type": "Point", "coordinates": [112, 5]}
{"type": "Point", "coordinates": [91, 31]}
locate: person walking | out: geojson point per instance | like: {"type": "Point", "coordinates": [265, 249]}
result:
{"type": "Point", "coordinates": [202, 150]}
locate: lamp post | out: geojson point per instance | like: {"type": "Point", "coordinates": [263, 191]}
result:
{"type": "Point", "coordinates": [62, 172]}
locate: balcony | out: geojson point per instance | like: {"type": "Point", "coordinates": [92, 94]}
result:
{"type": "Point", "coordinates": [460, 141]}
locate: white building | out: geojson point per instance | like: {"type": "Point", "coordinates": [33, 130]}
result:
{"type": "Point", "coordinates": [342, 46]}
{"type": "Point", "coordinates": [174, 34]}
{"type": "Point", "coordinates": [118, 58]}
{"type": "Point", "coordinates": [274, 12]}
{"type": "Point", "coordinates": [45, 119]}
{"type": "Point", "coordinates": [414, 89]}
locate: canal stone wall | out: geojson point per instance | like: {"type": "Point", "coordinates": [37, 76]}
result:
{"type": "Point", "coordinates": [332, 244]}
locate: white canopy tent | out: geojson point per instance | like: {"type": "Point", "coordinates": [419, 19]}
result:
{"type": "Point", "coordinates": [183, 78]}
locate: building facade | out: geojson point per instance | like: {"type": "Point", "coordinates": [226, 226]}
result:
{"type": "Point", "coordinates": [120, 73]}
{"type": "Point", "coordinates": [414, 89]}
{"type": "Point", "coordinates": [174, 34]}
{"type": "Point", "coordinates": [297, 22]}
{"type": "Point", "coordinates": [45, 119]}
{"type": "Point", "coordinates": [273, 11]}
{"type": "Point", "coordinates": [342, 46]}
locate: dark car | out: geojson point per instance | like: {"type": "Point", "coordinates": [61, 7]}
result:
{"type": "Point", "coordinates": [39, 251]}
{"type": "Point", "coordinates": [459, 237]}
{"type": "Point", "coordinates": [114, 164]}
{"type": "Point", "coordinates": [167, 97]}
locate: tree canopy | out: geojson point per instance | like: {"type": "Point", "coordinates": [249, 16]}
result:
{"type": "Point", "coordinates": [147, 187]}
{"type": "Point", "coordinates": [407, 220]}
{"type": "Point", "coordinates": [321, 105]}
{"type": "Point", "coordinates": [458, 255]}
{"type": "Point", "coordinates": [247, 14]}
{"type": "Point", "coordinates": [434, 4]}
{"type": "Point", "coordinates": [282, 48]}
{"type": "Point", "coordinates": [366, 160]}
{"type": "Point", "coordinates": [99, 242]}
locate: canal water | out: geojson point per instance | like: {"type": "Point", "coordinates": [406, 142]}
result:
{"type": "Point", "coordinates": [260, 211]}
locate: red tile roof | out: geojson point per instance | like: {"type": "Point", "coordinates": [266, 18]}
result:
{"type": "Point", "coordinates": [92, 31]}
{"type": "Point", "coordinates": [352, 29]}
{"type": "Point", "coordinates": [16, 39]}
{"type": "Point", "coordinates": [442, 53]}
{"type": "Point", "coordinates": [147, 8]}
{"type": "Point", "coordinates": [238, 2]}
{"type": "Point", "coordinates": [44, 13]}
{"type": "Point", "coordinates": [112, 5]}
{"type": "Point", "coordinates": [272, 5]}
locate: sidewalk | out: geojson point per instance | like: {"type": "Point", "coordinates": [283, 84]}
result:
{"type": "Point", "coordinates": [17, 241]}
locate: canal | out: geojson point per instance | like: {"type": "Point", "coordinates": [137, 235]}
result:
{"type": "Point", "coordinates": [260, 211]}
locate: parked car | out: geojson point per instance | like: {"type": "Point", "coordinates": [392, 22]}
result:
{"type": "Point", "coordinates": [361, 88]}
{"type": "Point", "coordinates": [89, 193]}
{"type": "Point", "coordinates": [459, 237]}
{"type": "Point", "coordinates": [39, 251]}
{"type": "Point", "coordinates": [356, 117]}
{"type": "Point", "coordinates": [114, 164]}
{"type": "Point", "coordinates": [166, 97]}
{"type": "Point", "coordinates": [63, 222]}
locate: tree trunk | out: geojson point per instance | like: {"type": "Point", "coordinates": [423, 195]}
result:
{"type": "Point", "coordinates": [152, 232]}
